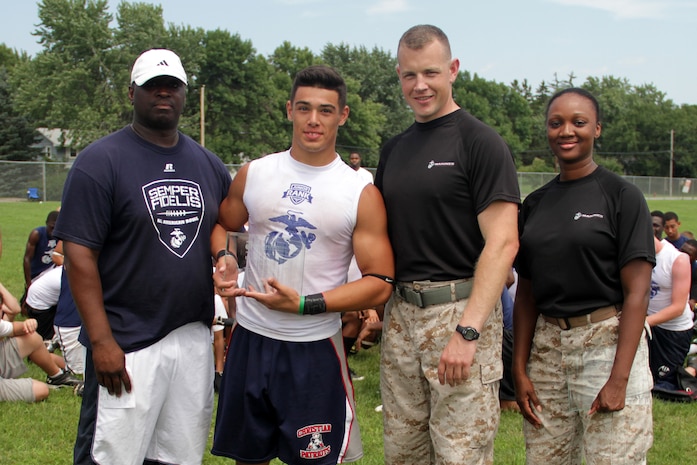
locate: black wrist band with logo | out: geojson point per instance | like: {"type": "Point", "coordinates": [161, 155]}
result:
{"type": "Point", "coordinates": [314, 304]}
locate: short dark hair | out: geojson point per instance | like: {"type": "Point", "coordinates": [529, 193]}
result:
{"type": "Point", "coordinates": [577, 91]}
{"type": "Point", "coordinates": [659, 214]}
{"type": "Point", "coordinates": [421, 35]}
{"type": "Point", "coordinates": [323, 77]}
{"type": "Point", "coordinates": [670, 216]}
{"type": "Point", "coordinates": [52, 216]}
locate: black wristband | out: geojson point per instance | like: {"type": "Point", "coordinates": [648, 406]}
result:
{"type": "Point", "coordinates": [222, 253]}
{"type": "Point", "coordinates": [314, 304]}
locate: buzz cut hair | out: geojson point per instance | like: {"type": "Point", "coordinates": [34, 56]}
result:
{"type": "Point", "coordinates": [417, 37]}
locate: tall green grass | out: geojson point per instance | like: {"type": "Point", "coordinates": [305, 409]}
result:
{"type": "Point", "coordinates": [43, 433]}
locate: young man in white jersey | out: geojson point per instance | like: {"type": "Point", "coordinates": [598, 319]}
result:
{"type": "Point", "coordinates": [286, 390]}
{"type": "Point", "coordinates": [669, 314]}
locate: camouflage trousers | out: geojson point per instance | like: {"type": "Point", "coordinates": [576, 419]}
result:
{"type": "Point", "coordinates": [425, 422]}
{"type": "Point", "coordinates": [568, 369]}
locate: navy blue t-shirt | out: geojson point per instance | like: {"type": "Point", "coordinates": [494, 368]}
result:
{"type": "Point", "coordinates": [149, 211]}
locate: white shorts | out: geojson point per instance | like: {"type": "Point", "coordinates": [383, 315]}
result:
{"type": "Point", "coordinates": [167, 415]}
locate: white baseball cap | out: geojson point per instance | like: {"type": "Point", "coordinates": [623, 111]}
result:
{"type": "Point", "coordinates": [157, 62]}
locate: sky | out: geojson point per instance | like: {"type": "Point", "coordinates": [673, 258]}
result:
{"type": "Point", "coordinates": [644, 41]}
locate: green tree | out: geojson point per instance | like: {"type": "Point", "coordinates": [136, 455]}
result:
{"type": "Point", "coordinates": [361, 131]}
{"type": "Point", "coordinates": [17, 134]}
{"type": "Point", "coordinates": [498, 105]}
{"type": "Point", "coordinates": [375, 74]}
{"type": "Point", "coordinates": [9, 58]}
{"type": "Point", "coordinates": [71, 84]}
{"type": "Point", "coordinates": [538, 165]}
{"type": "Point", "coordinates": [636, 125]}
{"type": "Point", "coordinates": [683, 122]}
{"type": "Point", "coordinates": [244, 110]}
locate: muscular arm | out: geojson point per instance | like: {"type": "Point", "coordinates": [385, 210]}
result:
{"type": "Point", "coordinates": [373, 252]}
{"type": "Point", "coordinates": [232, 215]}
{"type": "Point", "coordinates": [636, 284]}
{"type": "Point", "coordinates": [85, 283]}
{"type": "Point", "coordinates": [499, 227]}
{"type": "Point", "coordinates": [29, 252]}
{"type": "Point", "coordinates": [681, 275]}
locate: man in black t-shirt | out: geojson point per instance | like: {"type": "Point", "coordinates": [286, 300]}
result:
{"type": "Point", "coordinates": [451, 192]}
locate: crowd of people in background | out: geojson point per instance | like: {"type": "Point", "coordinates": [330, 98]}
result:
{"type": "Point", "coordinates": [478, 302]}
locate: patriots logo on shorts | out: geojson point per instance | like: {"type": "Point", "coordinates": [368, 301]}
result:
{"type": "Point", "coordinates": [315, 448]}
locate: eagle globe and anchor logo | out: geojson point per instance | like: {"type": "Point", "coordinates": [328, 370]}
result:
{"type": "Point", "coordinates": [281, 246]}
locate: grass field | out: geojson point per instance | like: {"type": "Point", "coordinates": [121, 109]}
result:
{"type": "Point", "coordinates": [43, 433]}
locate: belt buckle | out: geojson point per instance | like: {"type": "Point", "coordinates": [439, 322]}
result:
{"type": "Point", "coordinates": [411, 294]}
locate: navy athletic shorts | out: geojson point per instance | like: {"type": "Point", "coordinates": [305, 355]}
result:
{"type": "Point", "coordinates": [291, 400]}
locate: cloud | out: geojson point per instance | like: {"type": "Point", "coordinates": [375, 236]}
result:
{"type": "Point", "coordinates": [389, 6]}
{"type": "Point", "coordinates": [623, 9]}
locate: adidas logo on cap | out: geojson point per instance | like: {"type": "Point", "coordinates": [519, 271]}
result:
{"type": "Point", "coordinates": [157, 62]}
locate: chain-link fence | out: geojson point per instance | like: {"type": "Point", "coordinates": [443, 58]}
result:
{"type": "Point", "coordinates": [16, 178]}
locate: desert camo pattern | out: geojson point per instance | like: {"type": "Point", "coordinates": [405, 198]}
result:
{"type": "Point", "coordinates": [425, 422]}
{"type": "Point", "coordinates": [568, 369]}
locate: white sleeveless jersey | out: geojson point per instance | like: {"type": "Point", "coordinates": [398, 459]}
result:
{"type": "Point", "coordinates": [662, 289]}
{"type": "Point", "coordinates": [301, 222]}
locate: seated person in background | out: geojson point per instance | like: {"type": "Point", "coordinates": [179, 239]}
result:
{"type": "Point", "coordinates": [371, 328]}
{"type": "Point", "coordinates": [67, 322]}
{"type": "Point", "coordinates": [67, 325]}
{"type": "Point", "coordinates": [37, 253]}
{"type": "Point", "coordinates": [691, 367]}
{"type": "Point", "coordinates": [671, 228]}
{"type": "Point", "coordinates": [41, 301]}
{"type": "Point", "coordinates": [18, 339]}
{"type": "Point", "coordinates": [690, 248]}
{"type": "Point", "coordinates": [669, 314]}
{"type": "Point", "coordinates": [353, 323]}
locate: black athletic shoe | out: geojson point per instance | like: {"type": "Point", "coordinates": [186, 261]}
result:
{"type": "Point", "coordinates": [79, 389]}
{"type": "Point", "coordinates": [354, 376]}
{"type": "Point", "coordinates": [64, 379]}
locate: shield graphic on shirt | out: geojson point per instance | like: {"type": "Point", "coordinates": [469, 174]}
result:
{"type": "Point", "coordinates": [176, 209]}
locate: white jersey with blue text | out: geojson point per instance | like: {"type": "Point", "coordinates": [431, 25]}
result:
{"type": "Point", "coordinates": [301, 222]}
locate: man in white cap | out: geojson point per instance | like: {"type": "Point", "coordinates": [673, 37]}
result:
{"type": "Point", "coordinates": [137, 212]}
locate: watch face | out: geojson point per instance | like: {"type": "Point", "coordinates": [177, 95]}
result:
{"type": "Point", "coordinates": [469, 333]}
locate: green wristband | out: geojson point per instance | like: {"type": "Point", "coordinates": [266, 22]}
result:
{"type": "Point", "coordinates": [301, 310]}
